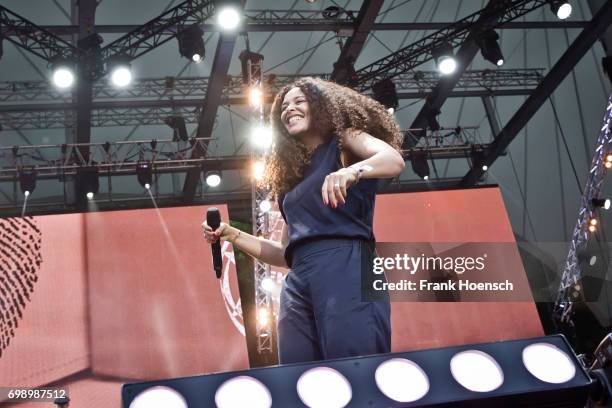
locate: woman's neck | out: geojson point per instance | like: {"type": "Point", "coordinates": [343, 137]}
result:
{"type": "Point", "coordinates": [311, 141]}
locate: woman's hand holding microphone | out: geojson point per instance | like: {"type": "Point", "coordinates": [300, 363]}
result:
{"type": "Point", "coordinates": [224, 232]}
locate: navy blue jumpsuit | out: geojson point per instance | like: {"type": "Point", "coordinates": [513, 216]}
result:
{"type": "Point", "coordinates": [321, 313]}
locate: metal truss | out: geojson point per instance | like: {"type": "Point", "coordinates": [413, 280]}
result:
{"type": "Point", "coordinates": [37, 40]}
{"type": "Point", "coordinates": [184, 87]}
{"type": "Point", "coordinates": [156, 32]}
{"type": "Point", "coordinates": [571, 278]}
{"type": "Point", "coordinates": [113, 158]}
{"type": "Point", "coordinates": [115, 107]}
{"type": "Point", "coordinates": [419, 52]}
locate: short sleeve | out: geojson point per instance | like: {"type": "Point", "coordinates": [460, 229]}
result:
{"type": "Point", "coordinates": [280, 199]}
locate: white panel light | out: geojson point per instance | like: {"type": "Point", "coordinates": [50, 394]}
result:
{"type": "Point", "coordinates": [477, 371]}
{"type": "Point", "coordinates": [324, 387]}
{"type": "Point", "coordinates": [548, 363]}
{"type": "Point", "coordinates": [402, 380]}
{"type": "Point", "coordinates": [228, 18]}
{"type": "Point", "coordinates": [243, 391]}
{"type": "Point", "coordinates": [159, 397]}
{"type": "Point", "coordinates": [121, 76]}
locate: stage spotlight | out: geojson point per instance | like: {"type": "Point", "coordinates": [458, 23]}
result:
{"type": "Point", "coordinates": [476, 371]}
{"type": "Point", "coordinates": [191, 43]}
{"type": "Point", "coordinates": [267, 284]}
{"type": "Point", "coordinates": [213, 178]}
{"type": "Point", "coordinates": [601, 203]}
{"type": "Point", "coordinates": [263, 316]}
{"type": "Point", "coordinates": [418, 160]}
{"type": "Point", "coordinates": [445, 59]}
{"type": "Point", "coordinates": [261, 136]}
{"type": "Point", "coordinates": [228, 18]}
{"type": "Point", "coordinates": [385, 93]}
{"type": "Point", "coordinates": [324, 387]}
{"type": "Point", "coordinates": [258, 170]}
{"type": "Point", "coordinates": [63, 73]}
{"type": "Point", "coordinates": [243, 391]}
{"type": "Point", "coordinates": [159, 397]}
{"type": "Point", "coordinates": [27, 182]}
{"type": "Point", "coordinates": [478, 157]}
{"type": "Point", "coordinates": [120, 71]}
{"type": "Point", "coordinates": [592, 225]}
{"type": "Point", "coordinates": [265, 206]}
{"type": "Point", "coordinates": [393, 375]}
{"type": "Point", "coordinates": [144, 173]}
{"type": "Point", "coordinates": [490, 49]}
{"type": "Point", "coordinates": [87, 182]}
{"type": "Point", "coordinates": [562, 9]}
{"type": "Point", "coordinates": [256, 96]}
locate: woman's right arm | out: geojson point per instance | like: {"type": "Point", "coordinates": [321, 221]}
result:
{"type": "Point", "coordinates": [266, 250]}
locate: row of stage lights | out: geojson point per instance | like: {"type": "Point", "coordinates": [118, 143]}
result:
{"type": "Point", "coordinates": [534, 372]}
{"type": "Point", "coordinates": [191, 46]}
{"type": "Point", "coordinates": [599, 202]}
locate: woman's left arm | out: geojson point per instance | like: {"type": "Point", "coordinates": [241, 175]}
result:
{"type": "Point", "coordinates": [377, 159]}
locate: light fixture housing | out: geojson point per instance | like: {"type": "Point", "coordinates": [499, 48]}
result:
{"type": "Point", "coordinates": [490, 49]}
{"type": "Point", "coordinates": [191, 43]}
{"type": "Point", "coordinates": [63, 73]}
{"type": "Point", "coordinates": [445, 59]}
{"type": "Point", "coordinates": [561, 8]}
{"type": "Point", "coordinates": [120, 71]}
{"type": "Point", "coordinates": [213, 178]}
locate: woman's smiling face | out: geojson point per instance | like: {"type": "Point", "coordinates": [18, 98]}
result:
{"type": "Point", "coordinates": [295, 112]}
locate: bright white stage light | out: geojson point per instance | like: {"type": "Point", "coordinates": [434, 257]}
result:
{"type": "Point", "coordinates": [265, 206]}
{"type": "Point", "coordinates": [159, 397]}
{"type": "Point", "coordinates": [255, 96]}
{"type": "Point", "coordinates": [500, 62]}
{"type": "Point", "coordinates": [263, 316]}
{"type": "Point", "coordinates": [147, 186]}
{"type": "Point", "coordinates": [258, 170]}
{"type": "Point", "coordinates": [213, 179]}
{"type": "Point", "coordinates": [243, 391]}
{"type": "Point", "coordinates": [607, 204]}
{"type": "Point", "coordinates": [485, 168]}
{"type": "Point", "coordinates": [391, 111]}
{"type": "Point", "coordinates": [261, 136]}
{"type": "Point", "coordinates": [426, 178]}
{"type": "Point", "coordinates": [26, 193]}
{"type": "Point", "coordinates": [476, 371]}
{"type": "Point", "coordinates": [324, 387]}
{"type": "Point", "coordinates": [228, 18]}
{"type": "Point", "coordinates": [196, 57]}
{"type": "Point", "coordinates": [63, 77]}
{"type": "Point", "coordinates": [402, 380]}
{"type": "Point", "coordinates": [121, 76]}
{"type": "Point", "coordinates": [267, 284]}
{"type": "Point", "coordinates": [548, 363]}
{"type": "Point", "coordinates": [90, 195]}
{"type": "Point", "coordinates": [447, 65]}
{"type": "Point", "coordinates": [564, 11]}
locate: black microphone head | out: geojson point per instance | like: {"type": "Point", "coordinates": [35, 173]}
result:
{"type": "Point", "coordinates": [213, 217]}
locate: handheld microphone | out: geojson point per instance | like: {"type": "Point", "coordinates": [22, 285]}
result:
{"type": "Point", "coordinates": [213, 219]}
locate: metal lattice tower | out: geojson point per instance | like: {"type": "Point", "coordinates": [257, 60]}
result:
{"type": "Point", "coordinates": [571, 277]}
{"type": "Point", "coordinates": [260, 214]}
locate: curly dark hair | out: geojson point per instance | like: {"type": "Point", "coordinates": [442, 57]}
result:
{"type": "Point", "coordinates": [338, 110]}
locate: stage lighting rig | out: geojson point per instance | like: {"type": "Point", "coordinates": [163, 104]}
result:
{"type": "Point", "coordinates": [213, 178]}
{"type": "Point", "coordinates": [445, 59]}
{"type": "Point", "coordinates": [228, 18]}
{"type": "Point", "coordinates": [27, 181]}
{"type": "Point", "coordinates": [120, 71]}
{"type": "Point", "coordinates": [385, 93]}
{"type": "Point", "coordinates": [490, 49]}
{"type": "Point", "coordinates": [601, 203]}
{"type": "Point", "coordinates": [191, 43]}
{"type": "Point", "coordinates": [561, 8]}
{"type": "Point", "coordinates": [144, 173]}
{"type": "Point", "coordinates": [418, 160]}
{"type": "Point", "coordinates": [62, 73]}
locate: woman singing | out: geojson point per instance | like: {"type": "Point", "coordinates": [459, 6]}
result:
{"type": "Point", "coordinates": [332, 144]}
